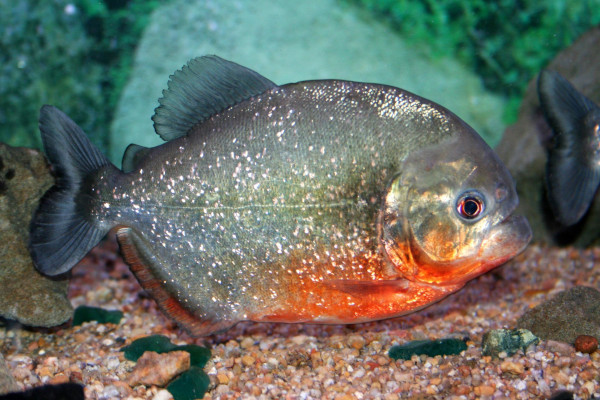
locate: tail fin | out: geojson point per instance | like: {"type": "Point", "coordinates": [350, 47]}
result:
{"type": "Point", "coordinates": [60, 236]}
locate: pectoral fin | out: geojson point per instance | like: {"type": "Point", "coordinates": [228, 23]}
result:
{"type": "Point", "coordinates": [370, 288]}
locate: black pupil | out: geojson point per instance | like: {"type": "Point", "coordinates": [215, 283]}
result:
{"type": "Point", "coordinates": [471, 207]}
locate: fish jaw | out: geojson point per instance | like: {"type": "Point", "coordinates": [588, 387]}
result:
{"type": "Point", "coordinates": [503, 241]}
{"type": "Point", "coordinates": [506, 240]}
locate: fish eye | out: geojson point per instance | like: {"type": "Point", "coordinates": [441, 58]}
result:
{"type": "Point", "coordinates": [470, 205]}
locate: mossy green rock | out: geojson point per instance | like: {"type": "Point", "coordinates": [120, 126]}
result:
{"type": "Point", "coordinates": [190, 385]}
{"type": "Point", "coordinates": [199, 355]}
{"type": "Point", "coordinates": [86, 313]}
{"type": "Point", "coordinates": [430, 348]}
{"type": "Point", "coordinates": [507, 340]}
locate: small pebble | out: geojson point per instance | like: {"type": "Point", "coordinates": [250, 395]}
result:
{"type": "Point", "coordinates": [248, 361]}
{"type": "Point", "coordinates": [246, 343]}
{"type": "Point", "coordinates": [560, 348]}
{"type": "Point", "coordinates": [512, 368]}
{"type": "Point", "coordinates": [356, 341]}
{"type": "Point", "coordinates": [586, 344]}
{"type": "Point", "coordinates": [159, 369]}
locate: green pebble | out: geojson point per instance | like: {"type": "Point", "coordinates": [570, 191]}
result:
{"type": "Point", "coordinates": [429, 348]}
{"type": "Point", "coordinates": [509, 341]}
{"type": "Point", "coordinates": [199, 355]}
{"type": "Point", "coordinates": [156, 343]}
{"type": "Point", "coordinates": [190, 385]}
{"type": "Point", "coordinates": [85, 314]}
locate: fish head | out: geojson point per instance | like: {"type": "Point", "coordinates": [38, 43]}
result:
{"type": "Point", "coordinates": [447, 216]}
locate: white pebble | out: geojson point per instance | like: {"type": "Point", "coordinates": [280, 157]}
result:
{"type": "Point", "coordinates": [162, 395]}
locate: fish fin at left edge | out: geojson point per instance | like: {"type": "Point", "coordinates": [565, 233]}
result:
{"type": "Point", "coordinates": [130, 244]}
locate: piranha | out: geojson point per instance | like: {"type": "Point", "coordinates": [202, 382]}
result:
{"type": "Point", "coordinates": [320, 201]}
{"type": "Point", "coordinates": [573, 166]}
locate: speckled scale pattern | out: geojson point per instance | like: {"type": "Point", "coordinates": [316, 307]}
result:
{"type": "Point", "coordinates": [273, 197]}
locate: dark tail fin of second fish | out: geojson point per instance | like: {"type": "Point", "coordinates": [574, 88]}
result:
{"type": "Point", "coordinates": [572, 173]}
{"type": "Point", "coordinates": [60, 234]}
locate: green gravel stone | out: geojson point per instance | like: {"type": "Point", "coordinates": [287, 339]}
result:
{"type": "Point", "coordinates": [190, 385]}
{"type": "Point", "coordinates": [507, 340]}
{"type": "Point", "coordinates": [85, 314]}
{"type": "Point", "coordinates": [199, 355]}
{"type": "Point", "coordinates": [429, 348]}
{"type": "Point", "coordinates": [156, 343]}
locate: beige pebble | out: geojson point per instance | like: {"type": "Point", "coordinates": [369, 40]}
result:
{"type": "Point", "coordinates": [484, 390]}
{"type": "Point", "coordinates": [58, 379]}
{"type": "Point", "coordinates": [162, 394]}
{"type": "Point", "coordinates": [561, 348]}
{"type": "Point", "coordinates": [246, 343]}
{"type": "Point", "coordinates": [561, 378]}
{"type": "Point", "coordinates": [356, 341]}
{"type": "Point", "coordinates": [223, 379]}
{"type": "Point", "coordinates": [248, 361]}
{"type": "Point", "coordinates": [159, 369]}
{"type": "Point", "coordinates": [511, 367]}
{"type": "Point", "coordinates": [222, 389]}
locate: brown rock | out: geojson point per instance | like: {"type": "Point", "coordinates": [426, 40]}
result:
{"type": "Point", "coordinates": [159, 369]}
{"type": "Point", "coordinates": [26, 295]}
{"type": "Point", "coordinates": [524, 144]}
{"type": "Point", "coordinates": [586, 344]}
{"type": "Point", "coordinates": [566, 316]}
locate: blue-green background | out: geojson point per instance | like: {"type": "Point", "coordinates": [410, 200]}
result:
{"type": "Point", "coordinates": [79, 55]}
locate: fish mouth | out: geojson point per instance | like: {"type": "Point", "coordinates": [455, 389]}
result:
{"type": "Point", "coordinates": [507, 239]}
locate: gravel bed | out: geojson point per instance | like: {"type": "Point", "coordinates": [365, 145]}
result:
{"type": "Point", "coordinates": [292, 361]}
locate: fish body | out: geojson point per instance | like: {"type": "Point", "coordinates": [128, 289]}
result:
{"type": "Point", "coordinates": [319, 201]}
{"type": "Point", "coordinates": [573, 166]}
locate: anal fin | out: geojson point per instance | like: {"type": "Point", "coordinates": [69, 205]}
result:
{"type": "Point", "coordinates": [140, 262]}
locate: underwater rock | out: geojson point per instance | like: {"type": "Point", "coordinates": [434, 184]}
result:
{"type": "Point", "coordinates": [430, 348]}
{"type": "Point", "coordinates": [7, 382]}
{"type": "Point", "coordinates": [158, 369]}
{"type": "Point", "coordinates": [569, 314]}
{"type": "Point", "coordinates": [26, 295]}
{"type": "Point", "coordinates": [508, 341]}
{"type": "Point", "coordinates": [286, 43]}
{"type": "Point", "coordinates": [523, 148]}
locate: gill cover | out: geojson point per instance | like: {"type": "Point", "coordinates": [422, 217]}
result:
{"type": "Point", "coordinates": [441, 211]}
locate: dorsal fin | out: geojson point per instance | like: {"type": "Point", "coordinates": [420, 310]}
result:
{"type": "Point", "coordinates": [132, 156]}
{"type": "Point", "coordinates": [203, 87]}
